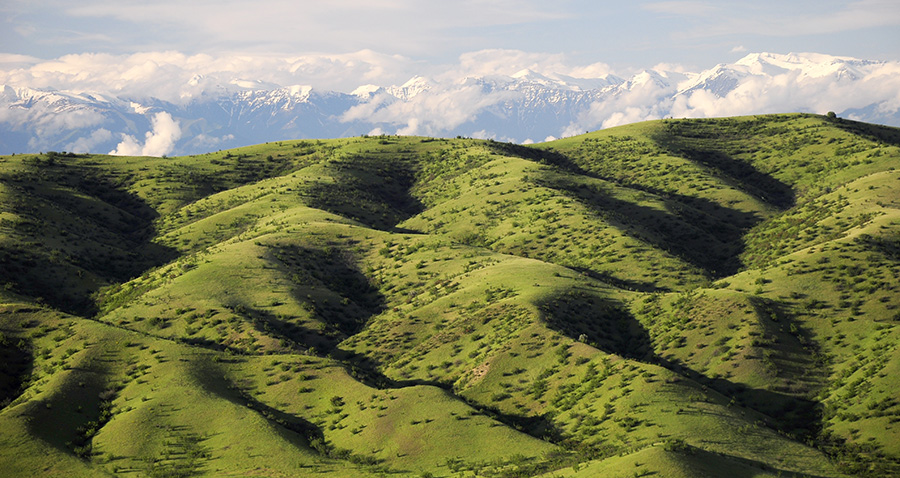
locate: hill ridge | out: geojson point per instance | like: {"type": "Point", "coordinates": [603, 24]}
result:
{"type": "Point", "coordinates": [674, 289]}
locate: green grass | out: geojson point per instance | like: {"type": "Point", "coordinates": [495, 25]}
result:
{"type": "Point", "coordinates": [670, 298]}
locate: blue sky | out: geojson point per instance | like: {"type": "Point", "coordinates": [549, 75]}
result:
{"type": "Point", "coordinates": [635, 34]}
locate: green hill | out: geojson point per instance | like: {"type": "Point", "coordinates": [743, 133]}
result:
{"type": "Point", "coordinates": [671, 298]}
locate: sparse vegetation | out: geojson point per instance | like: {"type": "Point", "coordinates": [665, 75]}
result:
{"type": "Point", "coordinates": [671, 298]}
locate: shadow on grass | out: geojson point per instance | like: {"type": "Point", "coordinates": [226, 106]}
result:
{"type": "Point", "coordinates": [79, 407]}
{"type": "Point", "coordinates": [336, 273]}
{"type": "Point", "coordinates": [327, 284]}
{"type": "Point", "coordinates": [371, 189]}
{"type": "Point", "coordinates": [708, 143]}
{"type": "Point", "coordinates": [872, 132]}
{"type": "Point", "coordinates": [798, 418]}
{"type": "Point", "coordinates": [211, 378]}
{"type": "Point", "coordinates": [599, 322]}
{"type": "Point", "coordinates": [366, 370]}
{"type": "Point", "coordinates": [293, 428]}
{"type": "Point", "coordinates": [888, 245]}
{"type": "Point", "coordinates": [791, 357]}
{"type": "Point", "coordinates": [704, 462]}
{"type": "Point", "coordinates": [332, 286]}
{"type": "Point", "coordinates": [92, 233]}
{"type": "Point", "coordinates": [620, 282]}
{"type": "Point", "coordinates": [18, 362]}
{"type": "Point", "coordinates": [537, 426]}
{"type": "Point", "coordinates": [697, 230]}
{"type": "Point", "coordinates": [608, 326]}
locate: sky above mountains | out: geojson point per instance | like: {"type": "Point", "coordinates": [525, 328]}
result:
{"type": "Point", "coordinates": [626, 35]}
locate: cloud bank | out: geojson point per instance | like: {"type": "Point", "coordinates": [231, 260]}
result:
{"type": "Point", "coordinates": [179, 78]}
{"type": "Point", "coordinates": [159, 141]}
{"type": "Point", "coordinates": [167, 102]}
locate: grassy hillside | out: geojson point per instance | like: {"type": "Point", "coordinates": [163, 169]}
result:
{"type": "Point", "coordinates": [671, 298]}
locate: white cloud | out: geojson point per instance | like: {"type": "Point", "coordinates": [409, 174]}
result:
{"type": "Point", "coordinates": [739, 49]}
{"type": "Point", "coordinates": [510, 62]}
{"type": "Point", "coordinates": [163, 135]}
{"type": "Point", "coordinates": [88, 143]}
{"type": "Point", "coordinates": [449, 99]}
{"type": "Point", "coordinates": [795, 90]}
{"type": "Point", "coordinates": [763, 83]}
{"type": "Point", "coordinates": [438, 108]}
{"type": "Point", "coordinates": [668, 68]}
{"type": "Point", "coordinates": [128, 147]}
{"type": "Point", "coordinates": [646, 96]}
{"type": "Point", "coordinates": [180, 78]}
{"type": "Point", "coordinates": [10, 61]}
{"type": "Point", "coordinates": [45, 119]}
{"type": "Point", "coordinates": [483, 134]}
{"type": "Point", "coordinates": [159, 141]}
{"type": "Point", "coordinates": [207, 142]}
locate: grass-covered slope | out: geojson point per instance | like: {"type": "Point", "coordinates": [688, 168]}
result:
{"type": "Point", "coordinates": [679, 298]}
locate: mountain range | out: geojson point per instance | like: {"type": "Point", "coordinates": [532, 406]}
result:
{"type": "Point", "coordinates": [222, 110]}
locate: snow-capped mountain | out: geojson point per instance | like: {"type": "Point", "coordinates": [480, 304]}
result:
{"type": "Point", "coordinates": [209, 112]}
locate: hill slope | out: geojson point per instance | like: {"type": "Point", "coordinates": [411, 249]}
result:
{"type": "Point", "coordinates": [684, 297]}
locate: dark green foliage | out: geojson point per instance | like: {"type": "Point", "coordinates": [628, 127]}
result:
{"type": "Point", "coordinates": [352, 297]}
{"type": "Point", "coordinates": [184, 456]}
{"type": "Point", "coordinates": [16, 359]}
{"type": "Point", "coordinates": [371, 188]}
{"type": "Point", "coordinates": [600, 322]}
{"type": "Point", "coordinates": [383, 304]}
{"type": "Point", "coordinates": [715, 144]}
{"type": "Point", "coordinates": [93, 231]}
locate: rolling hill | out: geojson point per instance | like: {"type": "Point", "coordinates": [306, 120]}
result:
{"type": "Point", "coordinates": [671, 298]}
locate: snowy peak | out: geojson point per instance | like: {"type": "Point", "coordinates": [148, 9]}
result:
{"type": "Point", "coordinates": [589, 83]}
{"type": "Point", "coordinates": [719, 80]}
{"type": "Point", "coordinates": [797, 68]}
{"type": "Point", "coordinates": [648, 79]}
{"type": "Point", "coordinates": [300, 92]}
{"type": "Point", "coordinates": [24, 97]}
{"type": "Point", "coordinates": [529, 76]}
{"type": "Point", "coordinates": [283, 98]}
{"type": "Point", "coordinates": [367, 91]}
{"type": "Point", "coordinates": [412, 88]}
{"type": "Point", "coordinates": [809, 65]}
{"type": "Point", "coordinates": [215, 110]}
